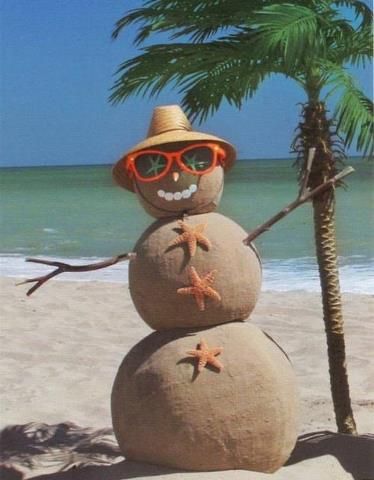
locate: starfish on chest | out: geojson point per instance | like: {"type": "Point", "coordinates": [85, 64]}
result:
{"type": "Point", "coordinates": [192, 236]}
{"type": "Point", "coordinates": [200, 288]}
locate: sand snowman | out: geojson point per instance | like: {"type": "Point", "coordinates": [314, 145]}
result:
{"type": "Point", "coordinates": [206, 390]}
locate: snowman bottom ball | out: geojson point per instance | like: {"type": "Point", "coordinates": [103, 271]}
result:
{"type": "Point", "coordinates": [241, 415]}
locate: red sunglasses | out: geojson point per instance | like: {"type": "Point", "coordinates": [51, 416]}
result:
{"type": "Point", "coordinates": [151, 165]}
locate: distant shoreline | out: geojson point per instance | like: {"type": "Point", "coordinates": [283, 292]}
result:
{"type": "Point", "coordinates": [79, 165]}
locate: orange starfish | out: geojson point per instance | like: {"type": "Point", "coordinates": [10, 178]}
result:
{"type": "Point", "coordinates": [192, 236]}
{"type": "Point", "coordinates": [206, 356]}
{"type": "Point", "coordinates": [200, 288]}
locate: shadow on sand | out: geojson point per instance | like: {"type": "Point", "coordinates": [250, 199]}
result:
{"type": "Point", "coordinates": [354, 453]}
{"type": "Point", "coordinates": [119, 471]}
{"type": "Point", "coordinates": [69, 452]}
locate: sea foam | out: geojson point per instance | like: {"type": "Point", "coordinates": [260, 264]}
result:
{"type": "Point", "coordinates": [356, 273]}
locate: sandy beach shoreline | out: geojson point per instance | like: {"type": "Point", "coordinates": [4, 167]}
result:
{"type": "Point", "coordinates": [61, 349]}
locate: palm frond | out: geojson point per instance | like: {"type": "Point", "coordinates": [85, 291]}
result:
{"type": "Point", "coordinates": [206, 74]}
{"type": "Point", "coordinates": [168, 64]}
{"type": "Point", "coordinates": [354, 111]}
{"type": "Point", "coordinates": [361, 9]}
{"type": "Point", "coordinates": [198, 20]}
{"type": "Point", "coordinates": [347, 42]}
{"type": "Point", "coordinates": [289, 29]}
{"type": "Point", "coordinates": [355, 49]}
{"type": "Point", "coordinates": [233, 82]}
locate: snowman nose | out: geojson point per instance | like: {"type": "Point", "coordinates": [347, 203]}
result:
{"type": "Point", "coordinates": [175, 176]}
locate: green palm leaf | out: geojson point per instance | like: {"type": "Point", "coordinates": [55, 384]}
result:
{"type": "Point", "coordinates": [204, 95]}
{"type": "Point", "coordinates": [355, 48]}
{"type": "Point", "coordinates": [169, 64]}
{"type": "Point", "coordinates": [192, 18]}
{"type": "Point", "coordinates": [289, 29]}
{"type": "Point", "coordinates": [362, 10]}
{"type": "Point", "coordinates": [354, 111]}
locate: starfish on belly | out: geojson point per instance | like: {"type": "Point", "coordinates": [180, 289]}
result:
{"type": "Point", "coordinates": [206, 356]}
{"type": "Point", "coordinates": [200, 288]}
{"type": "Point", "coordinates": [192, 236]}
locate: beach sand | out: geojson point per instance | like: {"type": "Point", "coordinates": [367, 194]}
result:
{"type": "Point", "coordinates": [61, 349]}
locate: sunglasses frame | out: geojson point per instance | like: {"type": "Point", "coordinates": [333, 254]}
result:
{"type": "Point", "coordinates": [219, 155]}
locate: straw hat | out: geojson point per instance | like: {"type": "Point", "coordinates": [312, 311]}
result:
{"type": "Point", "coordinates": [169, 124]}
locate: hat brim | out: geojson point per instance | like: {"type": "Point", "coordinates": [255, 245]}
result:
{"type": "Point", "coordinates": [119, 171]}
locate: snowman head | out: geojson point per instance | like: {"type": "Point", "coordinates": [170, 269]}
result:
{"type": "Point", "coordinates": [175, 170]}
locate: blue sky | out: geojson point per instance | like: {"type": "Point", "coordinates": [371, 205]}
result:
{"type": "Point", "coordinates": [57, 65]}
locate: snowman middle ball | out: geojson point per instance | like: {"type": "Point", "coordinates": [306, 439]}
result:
{"type": "Point", "coordinates": [161, 270]}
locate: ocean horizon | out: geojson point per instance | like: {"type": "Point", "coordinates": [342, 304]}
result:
{"type": "Point", "coordinates": [73, 165]}
{"type": "Point", "coordinates": [76, 214]}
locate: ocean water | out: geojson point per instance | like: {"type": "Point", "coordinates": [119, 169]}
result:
{"type": "Point", "coordinates": [77, 214]}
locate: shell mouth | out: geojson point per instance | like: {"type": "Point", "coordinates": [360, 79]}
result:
{"type": "Point", "coordinates": [179, 195]}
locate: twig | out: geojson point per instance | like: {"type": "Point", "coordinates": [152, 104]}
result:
{"type": "Point", "coordinates": [296, 203]}
{"type": "Point", "coordinates": [65, 267]}
{"type": "Point", "coordinates": [308, 169]}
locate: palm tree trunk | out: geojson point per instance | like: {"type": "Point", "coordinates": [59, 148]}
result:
{"type": "Point", "coordinates": [315, 131]}
{"type": "Point", "coordinates": [324, 230]}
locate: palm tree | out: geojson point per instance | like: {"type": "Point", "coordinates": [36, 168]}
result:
{"type": "Point", "coordinates": [227, 49]}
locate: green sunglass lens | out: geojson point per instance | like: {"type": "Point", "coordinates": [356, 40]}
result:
{"type": "Point", "coordinates": [150, 165]}
{"type": "Point", "coordinates": [198, 159]}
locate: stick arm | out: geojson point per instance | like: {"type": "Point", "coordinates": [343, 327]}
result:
{"type": "Point", "coordinates": [303, 197]}
{"type": "Point", "coordinates": [65, 267]}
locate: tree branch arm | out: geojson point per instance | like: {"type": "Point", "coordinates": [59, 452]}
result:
{"type": "Point", "coordinates": [65, 267]}
{"type": "Point", "coordinates": [303, 197]}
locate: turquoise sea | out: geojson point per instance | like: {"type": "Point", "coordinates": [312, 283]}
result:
{"type": "Point", "coordinates": [78, 213]}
